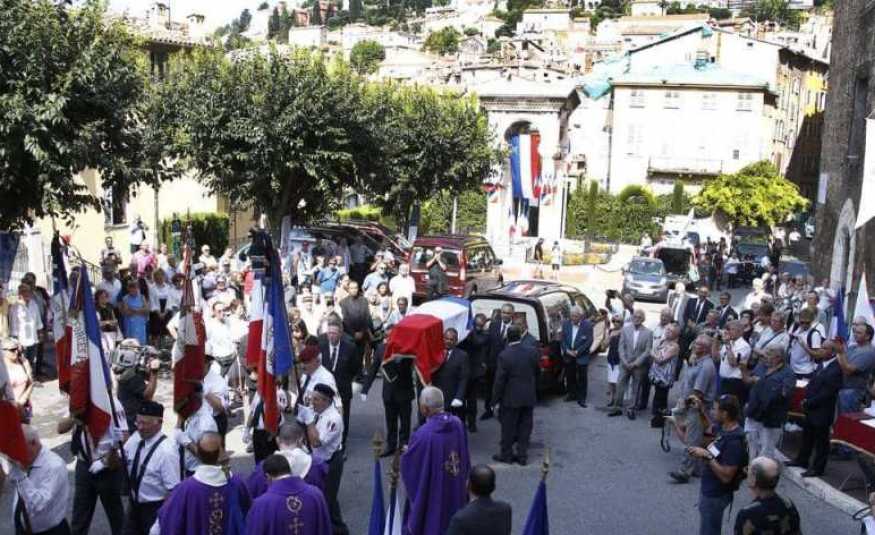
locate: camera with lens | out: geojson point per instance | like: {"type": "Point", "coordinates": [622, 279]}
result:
{"type": "Point", "coordinates": [130, 356]}
{"type": "Point", "coordinates": [691, 402]}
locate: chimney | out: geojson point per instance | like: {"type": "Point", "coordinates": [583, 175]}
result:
{"type": "Point", "coordinates": [701, 59]}
{"type": "Point", "coordinates": [196, 25]}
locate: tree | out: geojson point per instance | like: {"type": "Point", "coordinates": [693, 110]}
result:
{"type": "Point", "coordinates": [355, 9]}
{"type": "Point", "coordinates": [773, 10]}
{"type": "Point", "coordinates": [444, 41]}
{"type": "Point", "coordinates": [263, 6]}
{"type": "Point", "coordinates": [73, 96]}
{"type": "Point", "coordinates": [677, 198]}
{"type": "Point", "coordinates": [244, 21]}
{"type": "Point", "coordinates": [719, 13]}
{"type": "Point", "coordinates": [316, 19]}
{"type": "Point", "coordinates": [282, 133]}
{"type": "Point", "coordinates": [437, 213]}
{"type": "Point", "coordinates": [366, 56]}
{"type": "Point", "coordinates": [273, 24]}
{"type": "Point", "coordinates": [755, 195]}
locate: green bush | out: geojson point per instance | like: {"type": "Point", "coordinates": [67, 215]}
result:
{"type": "Point", "coordinates": [366, 212]}
{"type": "Point", "coordinates": [596, 214]}
{"type": "Point", "coordinates": [206, 229]}
{"type": "Point", "coordinates": [437, 213]}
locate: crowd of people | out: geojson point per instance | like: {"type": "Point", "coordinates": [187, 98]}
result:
{"type": "Point", "coordinates": [733, 373]}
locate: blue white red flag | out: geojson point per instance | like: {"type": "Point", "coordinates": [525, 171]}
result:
{"type": "Point", "coordinates": [13, 444]}
{"type": "Point", "coordinates": [377, 521]}
{"type": "Point", "coordinates": [538, 523]}
{"type": "Point", "coordinates": [525, 166]}
{"type": "Point", "coordinates": [839, 327]}
{"type": "Point", "coordinates": [62, 332]}
{"type": "Point", "coordinates": [189, 348]}
{"type": "Point", "coordinates": [394, 522]}
{"type": "Point", "coordinates": [90, 384]}
{"type": "Point", "coordinates": [276, 346]}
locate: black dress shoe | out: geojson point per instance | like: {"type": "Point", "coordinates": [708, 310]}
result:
{"type": "Point", "coordinates": [582, 404]}
{"type": "Point", "coordinates": [522, 461]}
{"type": "Point", "coordinates": [631, 414]}
{"type": "Point", "coordinates": [811, 473]}
{"type": "Point", "coordinates": [501, 459]}
{"type": "Point", "coordinates": [487, 415]}
{"type": "Point", "coordinates": [472, 428]}
{"type": "Point", "coordinates": [570, 398]}
{"type": "Point", "coordinates": [388, 452]}
{"type": "Point", "coordinates": [615, 412]}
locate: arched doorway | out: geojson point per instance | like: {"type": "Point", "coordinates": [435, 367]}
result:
{"type": "Point", "coordinates": [523, 165]}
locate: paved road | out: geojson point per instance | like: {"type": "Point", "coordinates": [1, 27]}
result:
{"type": "Point", "coordinates": [608, 474]}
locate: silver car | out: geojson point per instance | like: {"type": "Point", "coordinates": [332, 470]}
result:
{"type": "Point", "coordinates": [645, 278]}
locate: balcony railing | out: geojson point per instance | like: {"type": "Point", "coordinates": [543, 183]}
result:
{"type": "Point", "coordinates": [680, 165]}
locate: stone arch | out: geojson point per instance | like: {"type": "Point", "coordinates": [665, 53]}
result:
{"type": "Point", "coordinates": [844, 248]}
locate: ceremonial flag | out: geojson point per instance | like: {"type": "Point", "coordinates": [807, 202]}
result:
{"type": "Point", "coordinates": [276, 358]}
{"type": "Point", "coordinates": [538, 523]}
{"type": "Point", "coordinates": [535, 166]}
{"type": "Point", "coordinates": [188, 350]}
{"type": "Point", "coordinates": [378, 521]}
{"type": "Point", "coordinates": [525, 166]}
{"type": "Point", "coordinates": [89, 374]}
{"type": "Point", "coordinates": [839, 328]}
{"type": "Point", "coordinates": [393, 522]}
{"type": "Point", "coordinates": [13, 444]}
{"type": "Point", "coordinates": [863, 307]}
{"type": "Point", "coordinates": [256, 320]}
{"type": "Point", "coordinates": [62, 332]}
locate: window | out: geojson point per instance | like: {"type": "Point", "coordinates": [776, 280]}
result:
{"type": "Point", "coordinates": [634, 139]}
{"type": "Point", "coordinates": [636, 99]}
{"type": "Point", "coordinates": [672, 100]}
{"type": "Point", "coordinates": [709, 101]}
{"type": "Point", "coordinates": [557, 308]}
{"type": "Point", "coordinates": [736, 154]}
{"type": "Point", "coordinates": [745, 102]}
{"type": "Point", "coordinates": [115, 206]}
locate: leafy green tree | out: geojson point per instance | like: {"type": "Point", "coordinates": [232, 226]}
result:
{"type": "Point", "coordinates": [244, 21]}
{"type": "Point", "coordinates": [263, 6]}
{"type": "Point", "coordinates": [282, 133]}
{"type": "Point", "coordinates": [73, 96]}
{"type": "Point", "coordinates": [773, 10]}
{"type": "Point", "coordinates": [493, 46]}
{"type": "Point", "coordinates": [355, 9]}
{"type": "Point", "coordinates": [444, 41]}
{"type": "Point", "coordinates": [273, 24]}
{"type": "Point", "coordinates": [755, 195]}
{"type": "Point", "coordinates": [316, 18]}
{"type": "Point", "coordinates": [366, 56]}
{"type": "Point", "coordinates": [677, 198]}
{"type": "Point", "coordinates": [437, 213]}
{"type": "Point", "coordinates": [719, 13]}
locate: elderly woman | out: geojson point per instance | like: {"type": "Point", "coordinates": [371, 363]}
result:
{"type": "Point", "coordinates": [20, 377]}
{"type": "Point", "coordinates": [134, 309]}
{"type": "Point", "coordinates": [661, 374]}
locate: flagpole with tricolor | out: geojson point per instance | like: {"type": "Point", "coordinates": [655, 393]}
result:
{"type": "Point", "coordinates": [277, 356]}
{"type": "Point", "coordinates": [188, 350]}
{"type": "Point", "coordinates": [538, 522]}
{"type": "Point", "coordinates": [62, 332]}
{"type": "Point", "coordinates": [394, 521]}
{"type": "Point", "coordinates": [377, 521]}
{"type": "Point", "coordinates": [13, 446]}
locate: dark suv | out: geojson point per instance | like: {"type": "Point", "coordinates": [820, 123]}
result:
{"type": "Point", "coordinates": [545, 305]}
{"type": "Point", "coordinates": [471, 264]}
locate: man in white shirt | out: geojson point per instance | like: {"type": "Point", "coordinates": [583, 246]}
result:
{"type": "Point", "coordinates": [221, 343]}
{"type": "Point", "coordinates": [195, 426]}
{"type": "Point", "coordinates": [208, 260]}
{"type": "Point", "coordinates": [402, 284]}
{"type": "Point", "coordinates": [806, 342]}
{"type": "Point", "coordinates": [775, 335]}
{"type": "Point", "coordinates": [137, 232]}
{"type": "Point", "coordinates": [40, 493]}
{"type": "Point", "coordinates": [110, 284]}
{"type": "Point", "coordinates": [153, 468]}
{"type": "Point", "coordinates": [315, 373]}
{"type": "Point", "coordinates": [26, 324]}
{"type": "Point", "coordinates": [733, 352]}
{"type": "Point", "coordinates": [216, 394]}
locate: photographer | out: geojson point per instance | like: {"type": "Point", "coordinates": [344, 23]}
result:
{"type": "Point", "coordinates": [136, 376]}
{"type": "Point", "coordinates": [698, 390]}
{"type": "Point", "coordinates": [733, 352]}
{"type": "Point", "coordinates": [769, 402]}
{"type": "Point", "coordinates": [137, 233]}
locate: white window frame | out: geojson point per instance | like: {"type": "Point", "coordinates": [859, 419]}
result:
{"type": "Point", "coordinates": [745, 102]}
{"type": "Point", "coordinates": [671, 100]}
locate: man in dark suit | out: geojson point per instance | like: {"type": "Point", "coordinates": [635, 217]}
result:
{"type": "Point", "coordinates": [819, 405]}
{"type": "Point", "coordinates": [526, 337]}
{"type": "Point", "coordinates": [341, 357]}
{"type": "Point", "coordinates": [725, 310]}
{"type": "Point", "coordinates": [576, 341]}
{"type": "Point", "coordinates": [497, 342]}
{"type": "Point", "coordinates": [398, 392]}
{"type": "Point", "coordinates": [698, 308]}
{"type": "Point", "coordinates": [482, 515]}
{"type": "Point", "coordinates": [452, 377]}
{"type": "Point", "coordinates": [476, 344]}
{"type": "Point", "coordinates": [515, 392]}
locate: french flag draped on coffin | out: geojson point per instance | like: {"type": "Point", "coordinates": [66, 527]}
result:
{"type": "Point", "coordinates": [421, 335]}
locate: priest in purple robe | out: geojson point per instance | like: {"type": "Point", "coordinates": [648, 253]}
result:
{"type": "Point", "coordinates": [435, 468]}
{"type": "Point", "coordinates": [208, 501]}
{"type": "Point", "coordinates": [308, 467]}
{"type": "Point", "coordinates": [290, 506]}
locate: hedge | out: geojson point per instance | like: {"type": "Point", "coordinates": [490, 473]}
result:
{"type": "Point", "coordinates": [206, 228]}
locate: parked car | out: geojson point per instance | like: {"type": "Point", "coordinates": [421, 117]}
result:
{"type": "Point", "coordinates": [676, 257]}
{"type": "Point", "coordinates": [471, 264]}
{"type": "Point", "coordinates": [645, 278]}
{"type": "Point", "coordinates": [545, 305]}
{"type": "Point", "coordinates": [794, 266]}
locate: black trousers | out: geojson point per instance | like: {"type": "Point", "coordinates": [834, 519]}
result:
{"type": "Point", "coordinates": [61, 529]}
{"type": "Point", "coordinates": [570, 369]}
{"type": "Point", "coordinates": [397, 413]}
{"type": "Point", "coordinates": [516, 428]}
{"type": "Point", "coordinates": [347, 408]}
{"type": "Point", "coordinates": [474, 386]}
{"type": "Point", "coordinates": [488, 385]}
{"type": "Point", "coordinates": [332, 488]}
{"type": "Point", "coordinates": [644, 390]}
{"type": "Point", "coordinates": [221, 425]}
{"type": "Point", "coordinates": [108, 486]}
{"type": "Point", "coordinates": [815, 439]}
{"type": "Point", "coordinates": [660, 399]}
{"type": "Point", "coordinates": [141, 516]}
{"type": "Point", "coordinates": [262, 444]}
{"type": "Point", "coordinates": [582, 372]}
{"type": "Point", "coordinates": [734, 387]}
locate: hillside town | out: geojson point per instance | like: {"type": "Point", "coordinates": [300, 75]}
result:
{"type": "Point", "coordinates": [437, 267]}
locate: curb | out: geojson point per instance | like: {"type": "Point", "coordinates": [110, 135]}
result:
{"type": "Point", "coordinates": [824, 491]}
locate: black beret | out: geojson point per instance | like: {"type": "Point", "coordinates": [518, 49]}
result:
{"type": "Point", "coordinates": [151, 408]}
{"type": "Point", "coordinates": [325, 390]}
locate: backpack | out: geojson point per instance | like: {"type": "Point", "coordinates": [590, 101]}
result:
{"type": "Point", "coordinates": [741, 473]}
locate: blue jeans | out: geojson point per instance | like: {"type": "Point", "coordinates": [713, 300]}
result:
{"type": "Point", "coordinates": [711, 513]}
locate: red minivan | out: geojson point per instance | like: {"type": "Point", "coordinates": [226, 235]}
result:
{"type": "Point", "coordinates": [471, 264]}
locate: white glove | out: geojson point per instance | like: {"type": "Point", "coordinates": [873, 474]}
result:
{"type": "Point", "coordinates": [356, 388]}
{"type": "Point", "coordinates": [306, 415]}
{"type": "Point", "coordinates": [456, 403]}
{"type": "Point", "coordinates": [282, 399]}
{"type": "Point", "coordinates": [363, 397]}
{"type": "Point", "coordinates": [96, 467]}
{"type": "Point", "coordinates": [181, 438]}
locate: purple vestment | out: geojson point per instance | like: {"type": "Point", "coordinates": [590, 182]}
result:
{"type": "Point", "coordinates": [289, 507]}
{"type": "Point", "coordinates": [256, 483]}
{"type": "Point", "coordinates": [195, 507]}
{"type": "Point", "coordinates": [435, 473]}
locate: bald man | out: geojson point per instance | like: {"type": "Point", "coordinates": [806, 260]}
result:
{"type": "Point", "coordinates": [207, 502]}
{"type": "Point", "coordinates": [769, 512]}
{"type": "Point", "coordinates": [40, 495]}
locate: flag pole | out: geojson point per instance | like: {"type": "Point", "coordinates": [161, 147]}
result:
{"type": "Point", "coordinates": [377, 444]}
{"type": "Point", "coordinates": [545, 464]}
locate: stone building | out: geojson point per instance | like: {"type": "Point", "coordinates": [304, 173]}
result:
{"type": "Point", "coordinates": [847, 169]}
